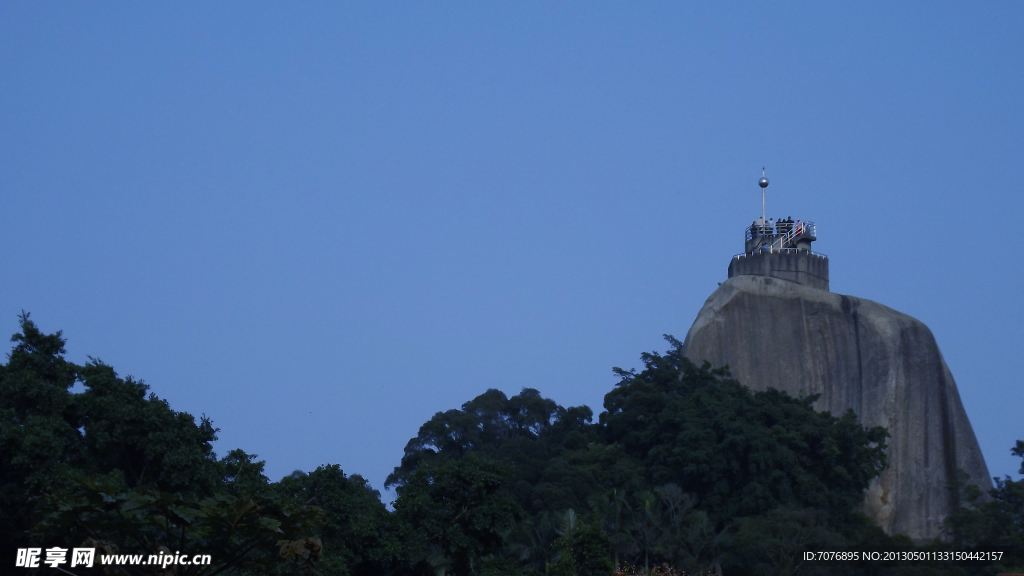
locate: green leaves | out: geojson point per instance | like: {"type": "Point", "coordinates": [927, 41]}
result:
{"type": "Point", "coordinates": [358, 532]}
{"type": "Point", "coordinates": [743, 452]}
{"type": "Point", "coordinates": [237, 533]}
{"type": "Point", "coordinates": [680, 453]}
{"type": "Point", "coordinates": [993, 519]}
{"type": "Point", "coordinates": [41, 448]}
{"type": "Point", "coordinates": [455, 512]}
{"type": "Point", "coordinates": [489, 425]}
{"type": "Point", "coordinates": [152, 444]}
{"type": "Point", "coordinates": [584, 550]}
{"type": "Point", "coordinates": [685, 465]}
{"type": "Point", "coordinates": [116, 465]}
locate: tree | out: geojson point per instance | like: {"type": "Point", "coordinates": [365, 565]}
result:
{"type": "Point", "coordinates": [497, 427]}
{"type": "Point", "coordinates": [359, 535]}
{"type": "Point", "coordinates": [741, 452]}
{"type": "Point", "coordinates": [454, 513]}
{"type": "Point", "coordinates": [152, 445]}
{"type": "Point", "coordinates": [556, 458]}
{"type": "Point", "coordinates": [116, 465]}
{"type": "Point", "coordinates": [51, 438]}
{"type": "Point", "coordinates": [41, 448]}
{"type": "Point", "coordinates": [612, 511]}
{"type": "Point", "coordinates": [678, 454]}
{"type": "Point", "coordinates": [584, 550]}
{"type": "Point", "coordinates": [688, 539]}
{"type": "Point", "coordinates": [236, 532]}
{"type": "Point", "coordinates": [993, 521]}
{"type": "Point", "coordinates": [773, 543]}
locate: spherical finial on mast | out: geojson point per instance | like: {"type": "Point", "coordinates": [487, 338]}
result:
{"type": "Point", "coordinates": [763, 182]}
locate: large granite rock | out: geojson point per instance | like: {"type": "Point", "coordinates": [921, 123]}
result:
{"type": "Point", "coordinates": [857, 354]}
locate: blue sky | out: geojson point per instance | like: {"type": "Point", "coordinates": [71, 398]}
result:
{"type": "Point", "coordinates": [321, 224]}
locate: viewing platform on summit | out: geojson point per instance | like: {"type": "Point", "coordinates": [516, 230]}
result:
{"type": "Point", "coordinates": [781, 249]}
{"type": "Point", "coordinates": [778, 235]}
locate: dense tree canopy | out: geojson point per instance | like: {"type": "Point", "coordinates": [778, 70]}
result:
{"type": "Point", "coordinates": [553, 452]}
{"type": "Point", "coordinates": [684, 467]}
{"type": "Point", "coordinates": [359, 536]}
{"type": "Point", "coordinates": [994, 520]}
{"type": "Point", "coordinates": [454, 513]}
{"type": "Point", "coordinates": [678, 455]}
{"type": "Point", "coordinates": [742, 452]}
{"type": "Point", "coordinates": [119, 468]}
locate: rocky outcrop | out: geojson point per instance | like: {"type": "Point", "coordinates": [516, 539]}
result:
{"type": "Point", "coordinates": [860, 355]}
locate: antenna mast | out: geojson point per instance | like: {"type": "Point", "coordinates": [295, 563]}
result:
{"type": "Point", "coordinates": [763, 183]}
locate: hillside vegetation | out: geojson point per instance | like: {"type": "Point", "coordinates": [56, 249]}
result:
{"type": "Point", "coordinates": [685, 470]}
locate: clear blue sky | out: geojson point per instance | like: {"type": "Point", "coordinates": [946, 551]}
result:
{"type": "Point", "coordinates": [320, 224]}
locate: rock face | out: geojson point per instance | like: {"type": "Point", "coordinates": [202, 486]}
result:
{"type": "Point", "coordinates": [860, 355]}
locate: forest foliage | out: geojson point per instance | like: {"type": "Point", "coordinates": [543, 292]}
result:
{"type": "Point", "coordinates": [684, 471]}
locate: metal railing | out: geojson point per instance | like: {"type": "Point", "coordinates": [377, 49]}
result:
{"type": "Point", "coordinates": [766, 250]}
{"type": "Point", "coordinates": [785, 239]}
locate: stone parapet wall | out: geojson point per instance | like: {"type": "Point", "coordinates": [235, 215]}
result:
{"type": "Point", "coordinates": [799, 266]}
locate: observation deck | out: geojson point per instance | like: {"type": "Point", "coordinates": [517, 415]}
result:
{"type": "Point", "coordinates": [782, 249]}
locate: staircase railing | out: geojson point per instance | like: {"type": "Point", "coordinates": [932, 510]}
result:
{"type": "Point", "coordinates": [784, 240]}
